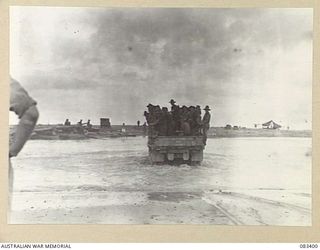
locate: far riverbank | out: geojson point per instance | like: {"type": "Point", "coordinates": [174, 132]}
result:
{"type": "Point", "coordinates": [249, 132]}
{"type": "Point", "coordinates": [57, 132]}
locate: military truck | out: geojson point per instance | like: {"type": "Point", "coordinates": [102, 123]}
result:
{"type": "Point", "coordinates": [176, 149]}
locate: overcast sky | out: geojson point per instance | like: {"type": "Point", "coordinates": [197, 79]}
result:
{"type": "Point", "coordinates": [248, 65]}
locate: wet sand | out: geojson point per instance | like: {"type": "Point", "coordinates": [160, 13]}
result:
{"type": "Point", "coordinates": [211, 207]}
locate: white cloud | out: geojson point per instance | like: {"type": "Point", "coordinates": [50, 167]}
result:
{"type": "Point", "coordinates": [251, 65]}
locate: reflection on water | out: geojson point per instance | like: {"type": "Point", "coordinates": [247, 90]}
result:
{"type": "Point", "coordinates": [122, 165]}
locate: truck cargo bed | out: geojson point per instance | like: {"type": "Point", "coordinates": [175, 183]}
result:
{"type": "Point", "coordinates": [176, 149]}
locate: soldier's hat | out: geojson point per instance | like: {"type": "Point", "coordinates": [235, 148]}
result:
{"type": "Point", "coordinates": [172, 101]}
{"type": "Point", "coordinates": [207, 108]}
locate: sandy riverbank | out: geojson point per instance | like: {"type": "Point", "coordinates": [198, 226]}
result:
{"type": "Point", "coordinates": [209, 207]}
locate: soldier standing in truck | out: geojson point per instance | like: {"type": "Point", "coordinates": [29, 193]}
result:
{"type": "Point", "coordinates": [206, 123]}
{"type": "Point", "coordinates": [144, 128]}
{"type": "Point", "coordinates": [163, 122]}
{"type": "Point", "coordinates": [175, 111]}
{"type": "Point", "coordinates": [198, 122]}
{"type": "Point", "coordinates": [153, 119]}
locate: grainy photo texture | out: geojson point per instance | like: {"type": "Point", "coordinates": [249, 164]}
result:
{"type": "Point", "coordinates": [160, 116]}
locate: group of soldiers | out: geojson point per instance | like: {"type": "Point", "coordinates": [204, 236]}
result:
{"type": "Point", "coordinates": [178, 121]}
{"type": "Point", "coordinates": [80, 123]}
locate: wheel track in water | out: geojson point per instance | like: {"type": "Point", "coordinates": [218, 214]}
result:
{"type": "Point", "coordinates": [225, 212]}
{"type": "Point", "coordinates": [219, 206]}
{"type": "Point", "coordinates": [230, 216]}
{"type": "Point", "coordinates": [272, 202]}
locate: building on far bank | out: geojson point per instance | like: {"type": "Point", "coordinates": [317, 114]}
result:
{"type": "Point", "coordinates": [105, 123]}
{"type": "Point", "coordinates": [271, 125]}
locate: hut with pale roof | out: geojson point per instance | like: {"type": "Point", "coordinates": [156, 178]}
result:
{"type": "Point", "coordinates": [271, 125]}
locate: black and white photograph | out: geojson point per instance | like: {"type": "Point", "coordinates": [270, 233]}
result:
{"type": "Point", "coordinates": [144, 115]}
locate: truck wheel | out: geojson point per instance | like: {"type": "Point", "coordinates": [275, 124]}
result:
{"type": "Point", "coordinates": [195, 163]}
{"type": "Point", "coordinates": [170, 156]}
{"type": "Point", "coordinates": [156, 157]}
{"type": "Point", "coordinates": [196, 156]}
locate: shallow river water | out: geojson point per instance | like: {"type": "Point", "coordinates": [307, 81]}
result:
{"type": "Point", "coordinates": [53, 175]}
